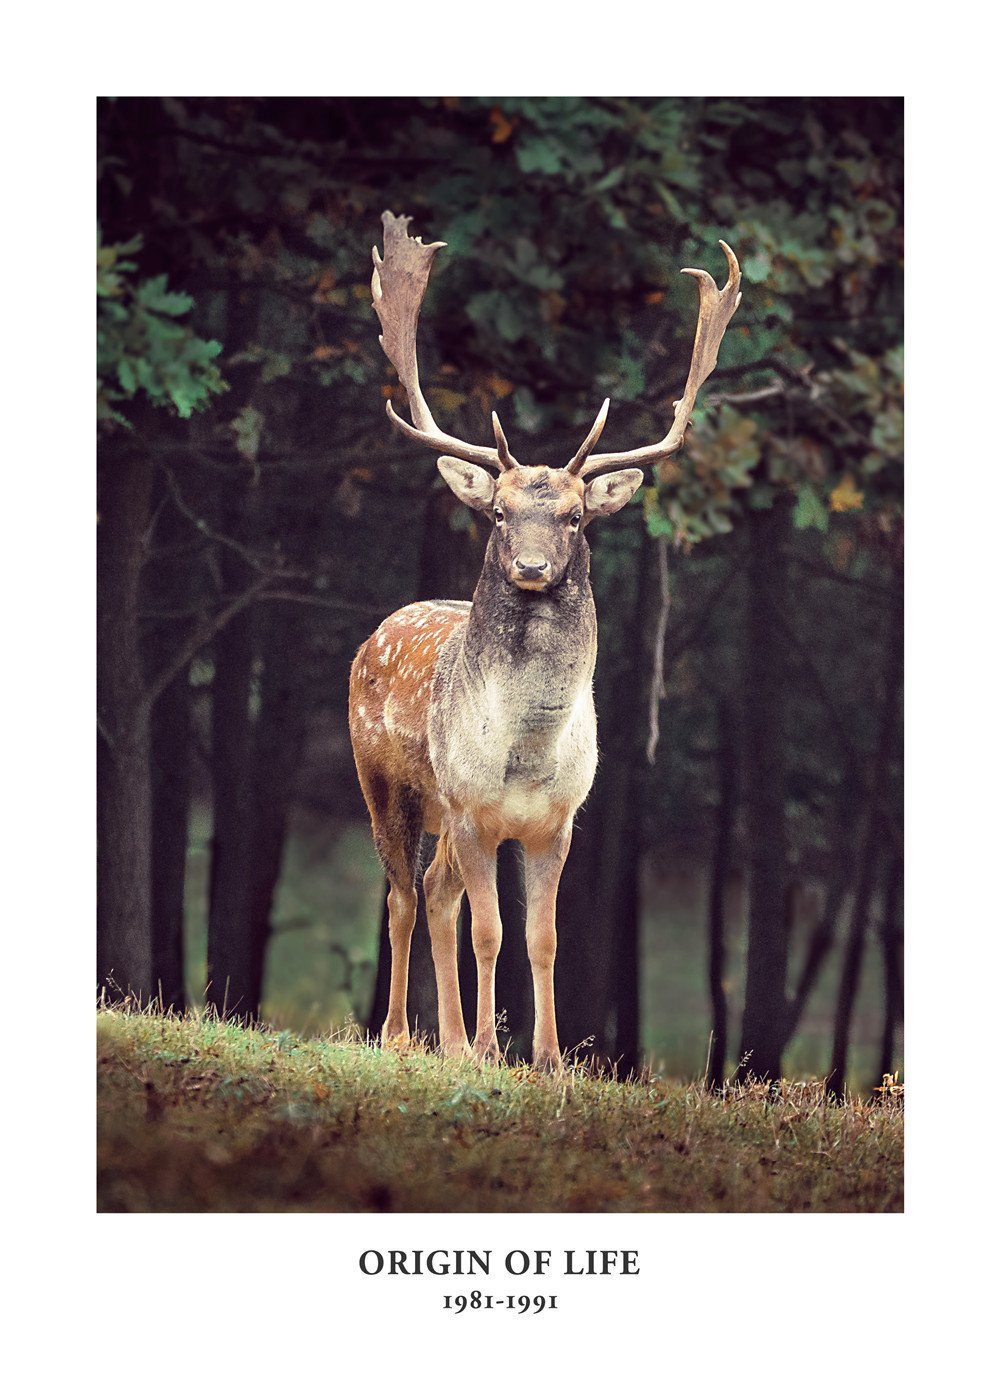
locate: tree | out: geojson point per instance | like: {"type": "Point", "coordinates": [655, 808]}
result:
{"type": "Point", "coordinates": [765, 786]}
{"type": "Point", "coordinates": [145, 349]}
{"type": "Point", "coordinates": [873, 827]}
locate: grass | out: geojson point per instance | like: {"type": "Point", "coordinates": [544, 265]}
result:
{"type": "Point", "coordinates": [195, 1114]}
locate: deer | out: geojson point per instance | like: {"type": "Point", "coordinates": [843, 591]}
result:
{"type": "Point", "coordinates": [475, 721]}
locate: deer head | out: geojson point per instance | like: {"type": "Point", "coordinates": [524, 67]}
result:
{"type": "Point", "coordinates": [539, 512]}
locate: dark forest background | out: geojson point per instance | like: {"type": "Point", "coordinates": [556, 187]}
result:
{"type": "Point", "coordinates": [734, 892]}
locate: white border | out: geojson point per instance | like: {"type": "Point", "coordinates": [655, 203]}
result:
{"type": "Point", "coordinates": [753, 1303]}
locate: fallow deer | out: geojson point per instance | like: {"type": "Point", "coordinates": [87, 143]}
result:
{"type": "Point", "coordinates": [476, 721]}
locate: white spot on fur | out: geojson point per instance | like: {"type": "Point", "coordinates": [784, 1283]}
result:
{"type": "Point", "coordinates": [396, 720]}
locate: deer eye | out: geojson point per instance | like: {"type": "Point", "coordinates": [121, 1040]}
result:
{"type": "Point", "coordinates": [498, 516]}
{"type": "Point", "coordinates": [575, 518]}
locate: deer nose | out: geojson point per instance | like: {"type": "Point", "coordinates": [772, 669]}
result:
{"type": "Point", "coordinates": [531, 567]}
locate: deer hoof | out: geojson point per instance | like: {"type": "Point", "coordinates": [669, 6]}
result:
{"type": "Point", "coordinates": [547, 1061]}
{"type": "Point", "coordinates": [456, 1049]}
{"type": "Point", "coordinates": [486, 1051]}
{"type": "Point", "coordinates": [395, 1036]}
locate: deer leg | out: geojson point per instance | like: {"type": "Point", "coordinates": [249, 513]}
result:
{"type": "Point", "coordinates": [478, 864]}
{"type": "Point", "coordinates": [443, 896]}
{"type": "Point", "coordinates": [397, 823]}
{"type": "Point", "coordinates": [402, 916]}
{"type": "Point", "coordinates": [542, 870]}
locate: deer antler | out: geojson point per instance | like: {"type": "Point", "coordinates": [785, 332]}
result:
{"type": "Point", "coordinates": [715, 311]}
{"type": "Point", "coordinates": [398, 286]}
{"type": "Point", "coordinates": [589, 442]}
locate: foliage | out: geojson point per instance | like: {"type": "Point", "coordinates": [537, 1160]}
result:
{"type": "Point", "coordinates": [195, 1114]}
{"type": "Point", "coordinates": [144, 343]}
{"type": "Point", "coordinates": [567, 221]}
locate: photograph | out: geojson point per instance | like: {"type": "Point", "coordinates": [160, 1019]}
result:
{"type": "Point", "coordinates": [500, 661]}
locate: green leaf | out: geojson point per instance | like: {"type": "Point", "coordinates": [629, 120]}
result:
{"type": "Point", "coordinates": [154, 295]}
{"type": "Point", "coordinates": [538, 155]}
{"type": "Point", "coordinates": [757, 267]}
{"type": "Point", "coordinates": [508, 322]}
{"type": "Point", "coordinates": [614, 177]}
{"type": "Point", "coordinates": [810, 511]}
{"type": "Point", "coordinates": [276, 366]}
{"type": "Point", "coordinates": [633, 378]}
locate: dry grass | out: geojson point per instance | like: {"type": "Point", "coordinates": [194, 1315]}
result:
{"type": "Point", "coordinates": [197, 1114]}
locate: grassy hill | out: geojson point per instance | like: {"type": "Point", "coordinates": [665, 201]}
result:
{"type": "Point", "coordinates": [196, 1114]}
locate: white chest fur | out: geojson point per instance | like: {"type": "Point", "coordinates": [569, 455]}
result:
{"type": "Point", "coordinates": [519, 739]}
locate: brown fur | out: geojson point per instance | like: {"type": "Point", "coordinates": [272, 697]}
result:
{"type": "Point", "coordinates": [397, 663]}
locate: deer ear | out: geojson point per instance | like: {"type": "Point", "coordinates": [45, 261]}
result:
{"type": "Point", "coordinates": [606, 494]}
{"type": "Point", "coordinates": [473, 486]}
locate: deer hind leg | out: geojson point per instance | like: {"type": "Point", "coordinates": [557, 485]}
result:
{"type": "Point", "coordinates": [443, 891]}
{"type": "Point", "coordinates": [543, 868]}
{"type": "Point", "coordinates": [397, 822]}
{"type": "Point", "coordinates": [478, 863]}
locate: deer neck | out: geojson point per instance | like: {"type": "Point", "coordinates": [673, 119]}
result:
{"type": "Point", "coordinates": [534, 651]}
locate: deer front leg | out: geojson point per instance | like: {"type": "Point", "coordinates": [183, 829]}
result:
{"type": "Point", "coordinates": [477, 861]}
{"type": "Point", "coordinates": [543, 867]}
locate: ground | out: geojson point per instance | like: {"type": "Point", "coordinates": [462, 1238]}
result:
{"type": "Point", "coordinates": [200, 1115]}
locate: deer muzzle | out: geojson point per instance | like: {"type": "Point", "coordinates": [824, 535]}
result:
{"type": "Point", "coordinates": [532, 571]}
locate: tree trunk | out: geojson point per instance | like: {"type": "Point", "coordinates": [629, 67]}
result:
{"type": "Point", "coordinates": [627, 1049]}
{"type": "Point", "coordinates": [254, 766]}
{"type": "Point", "coordinates": [171, 808]}
{"type": "Point", "coordinates": [611, 866]}
{"type": "Point", "coordinates": [850, 974]}
{"type": "Point", "coordinates": [765, 1009]}
{"type": "Point", "coordinates": [279, 735]}
{"type": "Point", "coordinates": [230, 961]}
{"type": "Point", "coordinates": [123, 777]}
{"type": "Point", "coordinates": [892, 938]}
{"type": "Point", "coordinates": [722, 858]}
{"type": "Point", "coordinates": [868, 857]}
{"type": "Point", "coordinates": [592, 916]}
{"type": "Point", "coordinates": [649, 628]}
{"type": "Point", "coordinates": [170, 732]}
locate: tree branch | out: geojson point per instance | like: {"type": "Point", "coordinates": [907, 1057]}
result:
{"type": "Point", "coordinates": [333, 604]}
{"type": "Point", "coordinates": [247, 555]}
{"type": "Point", "coordinates": [200, 636]}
